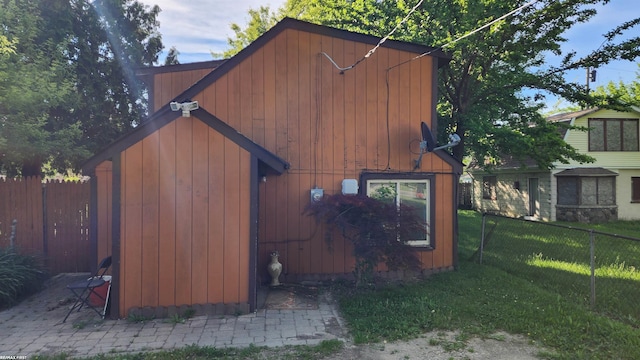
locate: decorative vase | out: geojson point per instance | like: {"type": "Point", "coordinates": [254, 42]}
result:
{"type": "Point", "coordinates": [274, 268]}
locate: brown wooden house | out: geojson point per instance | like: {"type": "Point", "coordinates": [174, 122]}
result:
{"type": "Point", "coordinates": [191, 207]}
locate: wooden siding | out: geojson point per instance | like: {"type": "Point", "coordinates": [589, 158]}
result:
{"type": "Point", "coordinates": [184, 219]}
{"type": "Point", "coordinates": [329, 126]}
{"type": "Point", "coordinates": [179, 81]}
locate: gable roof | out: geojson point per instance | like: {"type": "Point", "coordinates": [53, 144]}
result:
{"type": "Point", "coordinates": [290, 23]}
{"type": "Point", "coordinates": [270, 161]}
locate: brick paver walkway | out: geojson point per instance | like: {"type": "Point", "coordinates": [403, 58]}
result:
{"type": "Point", "coordinates": [35, 327]}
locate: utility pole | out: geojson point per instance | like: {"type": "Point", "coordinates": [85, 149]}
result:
{"type": "Point", "coordinates": [591, 77]}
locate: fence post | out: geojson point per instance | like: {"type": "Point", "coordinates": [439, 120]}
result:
{"type": "Point", "coordinates": [45, 228]}
{"type": "Point", "coordinates": [592, 246]}
{"type": "Point", "coordinates": [484, 217]}
{"type": "Point", "coordinates": [12, 236]}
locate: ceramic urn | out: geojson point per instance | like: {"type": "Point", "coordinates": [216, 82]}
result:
{"type": "Point", "coordinates": [274, 268]}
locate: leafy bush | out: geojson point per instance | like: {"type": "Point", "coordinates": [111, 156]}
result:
{"type": "Point", "coordinates": [375, 227]}
{"type": "Point", "coordinates": [20, 275]}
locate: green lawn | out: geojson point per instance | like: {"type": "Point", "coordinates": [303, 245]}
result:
{"type": "Point", "coordinates": [482, 299]}
{"type": "Point", "coordinates": [558, 259]}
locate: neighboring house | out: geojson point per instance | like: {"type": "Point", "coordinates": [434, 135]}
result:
{"type": "Point", "coordinates": [191, 205]}
{"type": "Point", "coordinates": [607, 189]}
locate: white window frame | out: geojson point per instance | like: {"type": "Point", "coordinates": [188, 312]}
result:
{"type": "Point", "coordinates": [389, 179]}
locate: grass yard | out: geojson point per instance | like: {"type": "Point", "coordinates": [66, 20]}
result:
{"type": "Point", "coordinates": [558, 259]}
{"type": "Point", "coordinates": [480, 300]}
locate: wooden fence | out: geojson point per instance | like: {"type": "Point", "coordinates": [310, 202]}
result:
{"type": "Point", "coordinates": [52, 221]}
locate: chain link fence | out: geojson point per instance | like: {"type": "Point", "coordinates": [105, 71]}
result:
{"type": "Point", "coordinates": [596, 269]}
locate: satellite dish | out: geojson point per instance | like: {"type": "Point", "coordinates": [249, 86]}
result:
{"type": "Point", "coordinates": [427, 144]}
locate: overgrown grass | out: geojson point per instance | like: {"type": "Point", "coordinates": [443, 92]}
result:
{"type": "Point", "coordinates": [480, 300]}
{"type": "Point", "coordinates": [252, 352]}
{"type": "Point", "coordinates": [20, 275]}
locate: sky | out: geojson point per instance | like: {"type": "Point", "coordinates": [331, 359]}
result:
{"type": "Point", "coordinates": [198, 27]}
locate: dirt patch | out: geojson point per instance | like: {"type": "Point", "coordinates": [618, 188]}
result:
{"type": "Point", "coordinates": [444, 346]}
{"type": "Point", "coordinates": [292, 297]}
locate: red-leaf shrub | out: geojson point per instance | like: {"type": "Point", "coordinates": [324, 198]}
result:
{"type": "Point", "coordinates": [377, 229]}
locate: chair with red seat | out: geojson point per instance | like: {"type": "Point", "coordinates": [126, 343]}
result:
{"type": "Point", "coordinates": [85, 290]}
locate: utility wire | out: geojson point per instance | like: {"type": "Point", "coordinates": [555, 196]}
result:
{"type": "Point", "coordinates": [373, 50]}
{"type": "Point", "coordinates": [467, 34]}
{"type": "Point", "coordinates": [439, 48]}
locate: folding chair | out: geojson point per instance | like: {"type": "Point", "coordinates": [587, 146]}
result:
{"type": "Point", "coordinates": [84, 289]}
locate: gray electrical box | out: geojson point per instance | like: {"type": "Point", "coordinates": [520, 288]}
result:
{"type": "Point", "coordinates": [316, 195]}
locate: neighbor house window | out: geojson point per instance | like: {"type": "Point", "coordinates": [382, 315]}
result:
{"type": "Point", "coordinates": [635, 189]}
{"type": "Point", "coordinates": [586, 190]}
{"type": "Point", "coordinates": [489, 187]}
{"type": "Point", "coordinates": [408, 189]}
{"type": "Point", "coordinates": [613, 135]}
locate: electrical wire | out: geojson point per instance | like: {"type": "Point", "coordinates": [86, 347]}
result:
{"type": "Point", "coordinates": [373, 50]}
{"type": "Point", "coordinates": [440, 48]}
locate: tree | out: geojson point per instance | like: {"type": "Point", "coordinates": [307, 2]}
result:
{"type": "Point", "coordinates": [33, 79]}
{"type": "Point", "coordinates": [493, 88]}
{"type": "Point", "coordinates": [75, 61]}
{"type": "Point", "coordinates": [260, 21]}
{"type": "Point", "coordinates": [172, 56]}
{"type": "Point", "coordinates": [628, 94]}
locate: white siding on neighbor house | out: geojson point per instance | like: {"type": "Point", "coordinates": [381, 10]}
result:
{"type": "Point", "coordinates": [626, 209]}
{"type": "Point", "coordinates": [604, 159]}
{"type": "Point", "coordinates": [625, 163]}
{"type": "Point", "coordinates": [510, 201]}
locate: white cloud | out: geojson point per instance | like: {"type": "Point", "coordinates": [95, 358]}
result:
{"type": "Point", "coordinates": [198, 27]}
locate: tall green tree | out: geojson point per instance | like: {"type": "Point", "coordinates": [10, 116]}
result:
{"type": "Point", "coordinates": [34, 78]}
{"type": "Point", "coordinates": [624, 93]}
{"type": "Point", "coordinates": [260, 21]}
{"type": "Point", "coordinates": [495, 84]}
{"type": "Point", "coordinates": [80, 56]}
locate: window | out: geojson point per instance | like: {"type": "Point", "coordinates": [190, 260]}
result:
{"type": "Point", "coordinates": [489, 187]}
{"type": "Point", "coordinates": [407, 189]}
{"type": "Point", "coordinates": [613, 135]}
{"type": "Point", "coordinates": [635, 189]}
{"type": "Point", "coordinates": [586, 190]}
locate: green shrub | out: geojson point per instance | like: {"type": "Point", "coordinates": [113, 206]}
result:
{"type": "Point", "coordinates": [20, 275]}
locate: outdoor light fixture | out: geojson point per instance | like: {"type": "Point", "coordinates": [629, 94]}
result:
{"type": "Point", "coordinates": [186, 107]}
